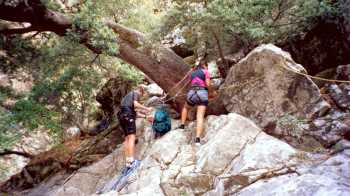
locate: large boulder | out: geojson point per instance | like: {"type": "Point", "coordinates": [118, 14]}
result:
{"type": "Point", "coordinates": [33, 143]}
{"type": "Point", "coordinates": [263, 88]}
{"type": "Point", "coordinates": [154, 90]}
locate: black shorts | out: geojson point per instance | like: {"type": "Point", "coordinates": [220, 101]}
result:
{"type": "Point", "coordinates": [127, 122]}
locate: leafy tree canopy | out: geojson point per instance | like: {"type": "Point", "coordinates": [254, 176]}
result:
{"type": "Point", "coordinates": [253, 21]}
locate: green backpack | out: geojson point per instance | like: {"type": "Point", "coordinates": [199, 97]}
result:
{"type": "Point", "coordinates": [162, 122]}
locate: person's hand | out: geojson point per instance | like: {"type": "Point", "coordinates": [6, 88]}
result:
{"type": "Point", "coordinates": [150, 118]}
{"type": "Point", "coordinates": [149, 109]}
{"type": "Point", "coordinates": [213, 94]}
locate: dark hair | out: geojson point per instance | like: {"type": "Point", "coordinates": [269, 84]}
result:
{"type": "Point", "coordinates": [201, 64]}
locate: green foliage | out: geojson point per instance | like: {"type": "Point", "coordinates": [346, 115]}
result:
{"type": "Point", "coordinates": [32, 115]}
{"type": "Point", "coordinates": [17, 52]}
{"type": "Point", "coordinates": [129, 73]}
{"type": "Point", "coordinates": [3, 171]}
{"type": "Point", "coordinates": [52, 4]}
{"type": "Point", "coordinates": [90, 20]}
{"type": "Point", "coordinates": [6, 92]}
{"type": "Point", "coordinates": [43, 90]}
{"type": "Point", "coordinates": [66, 74]}
{"type": "Point", "coordinates": [9, 132]}
{"type": "Point", "coordinates": [292, 125]}
{"type": "Point", "coordinates": [28, 114]}
{"type": "Point", "coordinates": [251, 20]}
{"type": "Point", "coordinates": [143, 16]}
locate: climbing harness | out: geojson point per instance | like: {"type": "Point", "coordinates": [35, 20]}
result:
{"type": "Point", "coordinates": [197, 96]}
{"type": "Point", "coordinates": [233, 86]}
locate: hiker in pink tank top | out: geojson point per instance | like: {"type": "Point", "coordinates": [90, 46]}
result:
{"type": "Point", "coordinates": [198, 81]}
{"type": "Point", "coordinates": [197, 96]}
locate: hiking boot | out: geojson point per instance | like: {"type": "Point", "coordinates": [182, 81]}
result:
{"type": "Point", "coordinates": [125, 170]}
{"type": "Point", "coordinates": [135, 164]}
{"type": "Point", "coordinates": [157, 135]}
{"type": "Point", "coordinates": [128, 162]}
{"type": "Point", "coordinates": [197, 141]}
{"type": "Point", "coordinates": [181, 127]}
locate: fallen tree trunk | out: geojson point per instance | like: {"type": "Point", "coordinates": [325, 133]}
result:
{"type": "Point", "coordinates": [159, 63]}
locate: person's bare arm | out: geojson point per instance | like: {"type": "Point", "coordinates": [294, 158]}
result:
{"type": "Point", "coordinates": [211, 91]}
{"type": "Point", "coordinates": [138, 105]}
{"type": "Point", "coordinates": [140, 115]}
{"type": "Point", "coordinates": [207, 82]}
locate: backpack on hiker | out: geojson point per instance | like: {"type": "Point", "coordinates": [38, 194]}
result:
{"type": "Point", "coordinates": [162, 122]}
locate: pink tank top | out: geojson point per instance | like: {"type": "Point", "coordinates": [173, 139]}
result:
{"type": "Point", "coordinates": [199, 81]}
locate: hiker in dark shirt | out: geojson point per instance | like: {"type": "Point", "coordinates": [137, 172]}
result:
{"type": "Point", "coordinates": [127, 116]}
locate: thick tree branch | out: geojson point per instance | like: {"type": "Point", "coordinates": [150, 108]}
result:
{"type": "Point", "coordinates": [10, 152]}
{"type": "Point", "coordinates": [159, 63]}
{"type": "Point", "coordinates": [35, 13]}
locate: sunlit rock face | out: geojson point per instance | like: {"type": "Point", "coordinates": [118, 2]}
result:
{"type": "Point", "coordinates": [236, 158]}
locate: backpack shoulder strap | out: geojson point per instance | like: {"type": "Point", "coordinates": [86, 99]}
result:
{"type": "Point", "coordinates": [198, 73]}
{"type": "Point", "coordinates": [133, 99]}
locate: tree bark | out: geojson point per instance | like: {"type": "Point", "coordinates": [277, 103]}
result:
{"type": "Point", "coordinates": [159, 63]}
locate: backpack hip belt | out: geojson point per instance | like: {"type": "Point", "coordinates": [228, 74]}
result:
{"type": "Point", "coordinates": [196, 88]}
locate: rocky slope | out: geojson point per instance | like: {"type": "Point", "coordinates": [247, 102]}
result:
{"type": "Point", "coordinates": [33, 144]}
{"type": "Point", "coordinates": [236, 158]}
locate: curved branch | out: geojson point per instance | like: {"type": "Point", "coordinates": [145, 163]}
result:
{"type": "Point", "coordinates": [10, 152]}
{"type": "Point", "coordinates": [35, 13]}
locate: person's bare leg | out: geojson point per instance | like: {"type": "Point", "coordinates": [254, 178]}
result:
{"type": "Point", "coordinates": [127, 152]}
{"type": "Point", "coordinates": [126, 146]}
{"type": "Point", "coordinates": [131, 145]}
{"type": "Point", "coordinates": [129, 149]}
{"type": "Point", "coordinates": [184, 114]}
{"type": "Point", "coordinates": [200, 120]}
